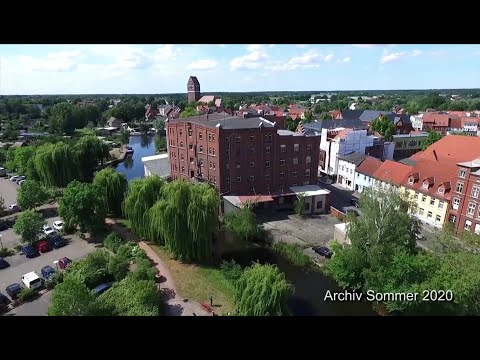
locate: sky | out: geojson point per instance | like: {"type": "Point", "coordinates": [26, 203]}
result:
{"type": "Point", "coordinates": [160, 69]}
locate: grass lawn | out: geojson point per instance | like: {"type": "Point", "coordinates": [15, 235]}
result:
{"type": "Point", "coordinates": [84, 131]}
{"type": "Point", "coordinates": [199, 282]}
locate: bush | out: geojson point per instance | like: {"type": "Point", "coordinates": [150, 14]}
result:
{"type": "Point", "coordinates": [91, 271]}
{"type": "Point", "coordinates": [27, 294]}
{"type": "Point", "coordinates": [139, 253]}
{"type": "Point", "coordinates": [53, 281]}
{"type": "Point", "coordinates": [231, 270]}
{"type": "Point", "coordinates": [118, 267]}
{"type": "Point", "coordinates": [112, 242]}
{"type": "Point", "coordinates": [18, 247]}
{"type": "Point", "coordinates": [125, 251]}
{"type": "Point", "coordinates": [144, 270]}
{"type": "Point", "coordinates": [293, 253]}
{"type": "Point", "coordinates": [4, 252]}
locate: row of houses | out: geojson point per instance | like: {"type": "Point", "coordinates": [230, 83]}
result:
{"type": "Point", "coordinates": [443, 181]}
{"type": "Point", "coordinates": [466, 122]}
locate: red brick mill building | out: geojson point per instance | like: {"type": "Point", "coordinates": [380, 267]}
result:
{"type": "Point", "coordinates": [247, 159]}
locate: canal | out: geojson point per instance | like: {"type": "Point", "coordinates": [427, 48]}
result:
{"type": "Point", "coordinates": [310, 286]}
{"type": "Point", "coordinates": [132, 166]}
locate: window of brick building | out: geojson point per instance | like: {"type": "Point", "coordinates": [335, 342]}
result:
{"type": "Point", "coordinates": [283, 148]}
{"type": "Point", "coordinates": [295, 161]}
{"type": "Point", "coordinates": [308, 160]}
{"type": "Point", "coordinates": [239, 178]}
{"type": "Point", "coordinates": [267, 163]}
{"type": "Point", "coordinates": [282, 162]}
{"type": "Point", "coordinates": [295, 174]}
{"type": "Point", "coordinates": [296, 147]}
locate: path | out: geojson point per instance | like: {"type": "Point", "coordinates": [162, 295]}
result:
{"type": "Point", "coordinates": [176, 305]}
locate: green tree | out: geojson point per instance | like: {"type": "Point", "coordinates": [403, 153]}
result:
{"type": "Point", "coordinates": [21, 160]}
{"type": "Point", "coordinates": [55, 164]}
{"type": "Point", "coordinates": [62, 119]}
{"type": "Point", "coordinates": [28, 225]}
{"type": "Point", "coordinates": [432, 138]}
{"type": "Point", "coordinates": [185, 218]}
{"type": "Point", "coordinates": [159, 124]}
{"type": "Point", "coordinates": [124, 136]}
{"type": "Point", "coordinates": [309, 117]}
{"type": "Point", "coordinates": [243, 223]}
{"type": "Point", "coordinates": [131, 297]}
{"type": "Point", "coordinates": [91, 271]}
{"type": "Point", "coordinates": [160, 143]}
{"type": "Point", "coordinates": [142, 194]}
{"type": "Point", "coordinates": [384, 127]}
{"type": "Point", "coordinates": [189, 112]}
{"type": "Point", "coordinates": [300, 205]}
{"type": "Point", "coordinates": [32, 194]}
{"type": "Point", "coordinates": [89, 152]}
{"type": "Point", "coordinates": [113, 187]}
{"type": "Point", "coordinates": [90, 125]}
{"type": "Point", "coordinates": [290, 124]}
{"type": "Point", "coordinates": [262, 290]}
{"type": "Point", "coordinates": [72, 298]}
{"type": "Point", "coordinates": [82, 205]}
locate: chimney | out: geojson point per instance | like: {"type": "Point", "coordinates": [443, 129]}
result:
{"type": "Point", "coordinates": [435, 154]}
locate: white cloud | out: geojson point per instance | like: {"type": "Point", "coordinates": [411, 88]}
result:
{"type": "Point", "coordinates": [329, 58]}
{"type": "Point", "coordinates": [132, 58]}
{"type": "Point", "coordinates": [60, 61]}
{"type": "Point", "coordinates": [254, 59]}
{"type": "Point", "coordinates": [204, 64]}
{"type": "Point", "coordinates": [388, 57]}
{"type": "Point", "coordinates": [302, 46]}
{"type": "Point", "coordinates": [345, 60]}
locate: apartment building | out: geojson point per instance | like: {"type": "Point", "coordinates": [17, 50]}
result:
{"type": "Point", "coordinates": [408, 144]}
{"type": "Point", "coordinates": [364, 173]}
{"type": "Point", "coordinates": [347, 165]}
{"type": "Point", "coordinates": [242, 156]}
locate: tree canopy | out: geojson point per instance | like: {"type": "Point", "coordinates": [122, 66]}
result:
{"type": "Point", "coordinates": [55, 164]}
{"type": "Point", "coordinates": [72, 298]}
{"type": "Point", "coordinates": [113, 187]}
{"type": "Point", "coordinates": [243, 223]}
{"type": "Point", "coordinates": [32, 194]}
{"type": "Point", "coordinates": [432, 138]}
{"type": "Point", "coordinates": [28, 225]}
{"type": "Point", "coordinates": [82, 205]}
{"type": "Point", "coordinates": [384, 127]}
{"type": "Point", "coordinates": [262, 290]}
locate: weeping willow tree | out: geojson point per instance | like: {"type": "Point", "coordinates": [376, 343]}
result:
{"type": "Point", "coordinates": [89, 152]}
{"type": "Point", "coordinates": [113, 186]}
{"type": "Point", "coordinates": [185, 219]}
{"type": "Point", "coordinates": [262, 290]}
{"type": "Point", "coordinates": [55, 164]}
{"type": "Point", "coordinates": [142, 194]}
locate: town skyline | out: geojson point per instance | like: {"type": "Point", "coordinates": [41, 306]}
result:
{"type": "Point", "coordinates": [162, 69]}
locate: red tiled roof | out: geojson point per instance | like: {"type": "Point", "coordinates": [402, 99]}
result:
{"type": "Point", "coordinates": [393, 172]}
{"type": "Point", "coordinates": [451, 149]}
{"type": "Point", "coordinates": [369, 166]}
{"type": "Point", "coordinates": [456, 123]}
{"type": "Point", "coordinates": [435, 175]}
{"type": "Point", "coordinates": [457, 113]}
{"type": "Point", "coordinates": [416, 132]}
{"type": "Point", "coordinates": [436, 118]}
{"type": "Point", "coordinates": [469, 120]}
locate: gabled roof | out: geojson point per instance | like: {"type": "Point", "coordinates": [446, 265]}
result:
{"type": "Point", "coordinates": [436, 118]}
{"type": "Point", "coordinates": [368, 166]}
{"type": "Point", "coordinates": [207, 98]}
{"type": "Point", "coordinates": [397, 117]}
{"type": "Point", "coordinates": [354, 158]}
{"type": "Point", "coordinates": [333, 124]}
{"type": "Point", "coordinates": [451, 149]}
{"type": "Point", "coordinates": [194, 80]}
{"type": "Point", "coordinates": [370, 115]}
{"type": "Point", "coordinates": [393, 172]}
{"type": "Point", "coordinates": [352, 114]}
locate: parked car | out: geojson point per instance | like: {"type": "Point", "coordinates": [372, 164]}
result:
{"type": "Point", "coordinates": [352, 211]}
{"type": "Point", "coordinates": [32, 281]}
{"type": "Point", "coordinates": [47, 230]}
{"type": "Point", "coordinates": [63, 263]}
{"type": "Point", "coordinates": [58, 225]}
{"type": "Point", "coordinates": [3, 301]}
{"type": "Point", "coordinates": [323, 251]}
{"type": "Point", "coordinates": [100, 289]}
{"type": "Point", "coordinates": [13, 290]}
{"type": "Point", "coordinates": [3, 263]}
{"type": "Point", "coordinates": [14, 178]}
{"type": "Point", "coordinates": [57, 241]}
{"type": "Point", "coordinates": [29, 251]}
{"type": "Point", "coordinates": [43, 246]}
{"type": "Point", "coordinates": [21, 182]}
{"type": "Point", "coordinates": [13, 208]}
{"type": "Point", "coordinates": [3, 225]}
{"type": "Point", "coordinates": [47, 272]}
{"type": "Point", "coordinates": [354, 202]}
{"type": "Point", "coordinates": [420, 237]}
{"type": "Point", "coordinates": [20, 179]}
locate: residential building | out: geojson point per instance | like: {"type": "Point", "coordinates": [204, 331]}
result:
{"type": "Point", "coordinates": [408, 144]}
{"type": "Point", "coordinates": [241, 156]}
{"type": "Point", "coordinates": [436, 121]}
{"type": "Point", "coordinates": [193, 89]}
{"type": "Point", "coordinates": [391, 173]}
{"type": "Point", "coordinates": [417, 122]}
{"type": "Point", "coordinates": [114, 122]}
{"type": "Point", "coordinates": [346, 169]}
{"type": "Point", "coordinates": [364, 173]}
{"type": "Point", "coordinates": [464, 210]}
{"type": "Point", "coordinates": [401, 121]}
{"type": "Point", "coordinates": [157, 165]}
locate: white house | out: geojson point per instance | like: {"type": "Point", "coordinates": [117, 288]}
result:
{"type": "Point", "coordinates": [364, 173]}
{"type": "Point", "coordinates": [346, 169]}
{"type": "Point", "coordinates": [417, 121]}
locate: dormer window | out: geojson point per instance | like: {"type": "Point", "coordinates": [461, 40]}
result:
{"type": "Point", "coordinates": [441, 190]}
{"type": "Point", "coordinates": [410, 180]}
{"type": "Point", "coordinates": [462, 174]}
{"type": "Point", "coordinates": [425, 185]}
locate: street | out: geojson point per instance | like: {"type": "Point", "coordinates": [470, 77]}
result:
{"type": "Point", "coordinates": [8, 190]}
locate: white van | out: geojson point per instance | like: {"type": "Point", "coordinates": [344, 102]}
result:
{"type": "Point", "coordinates": [32, 280]}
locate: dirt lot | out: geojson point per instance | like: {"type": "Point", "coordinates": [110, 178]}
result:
{"type": "Point", "coordinates": [290, 228]}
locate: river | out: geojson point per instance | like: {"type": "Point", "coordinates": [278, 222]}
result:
{"type": "Point", "coordinates": [132, 166]}
{"type": "Point", "coordinates": [310, 287]}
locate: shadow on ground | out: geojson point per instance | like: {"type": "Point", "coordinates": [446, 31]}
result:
{"type": "Point", "coordinates": [167, 294]}
{"type": "Point", "coordinates": [173, 310]}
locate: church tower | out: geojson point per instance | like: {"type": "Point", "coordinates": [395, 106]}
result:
{"type": "Point", "coordinates": [193, 89]}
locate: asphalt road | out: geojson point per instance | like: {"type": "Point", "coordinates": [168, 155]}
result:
{"type": "Point", "coordinates": [38, 307]}
{"type": "Point", "coordinates": [20, 265]}
{"type": "Point", "coordinates": [8, 190]}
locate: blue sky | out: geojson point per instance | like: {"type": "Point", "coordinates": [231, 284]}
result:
{"type": "Point", "coordinates": [125, 69]}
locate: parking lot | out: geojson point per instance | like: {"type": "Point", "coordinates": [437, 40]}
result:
{"type": "Point", "coordinates": [8, 190]}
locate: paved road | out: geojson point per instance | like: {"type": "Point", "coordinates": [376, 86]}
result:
{"type": "Point", "coordinates": [339, 197]}
{"type": "Point", "coordinates": [19, 265]}
{"type": "Point", "coordinates": [37, 307]}
{"type": "Point", "coordinates": [8, 190]}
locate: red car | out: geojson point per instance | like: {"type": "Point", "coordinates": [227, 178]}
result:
{"type": "Point", "coordinates": [43, 246]}
{"type": "Point", "coordinates": [63, 263]}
